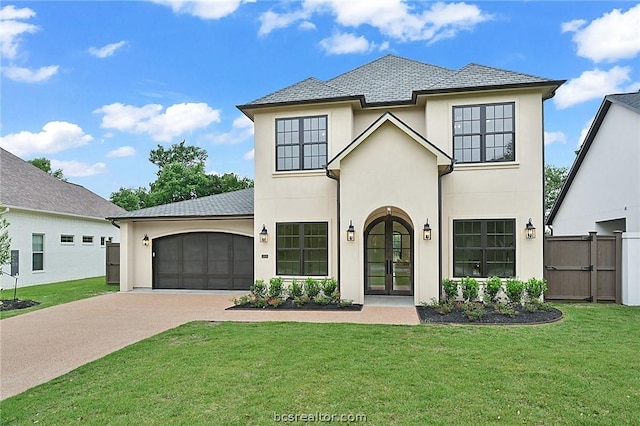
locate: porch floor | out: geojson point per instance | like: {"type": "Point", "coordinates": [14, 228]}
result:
{"type": "Point", "coordinates": [390, 301]}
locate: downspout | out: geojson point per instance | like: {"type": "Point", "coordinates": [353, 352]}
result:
{"type": "Point", "coordinates": [448, 170]}
{"type": "Point", "coordinates": [330, 175]}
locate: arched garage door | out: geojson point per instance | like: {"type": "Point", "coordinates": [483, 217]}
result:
{"type": "Point", "coordinates": [203, 261]}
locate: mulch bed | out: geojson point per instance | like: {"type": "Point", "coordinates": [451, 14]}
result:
{"type": "Point", "coordinates": [288, 305]}
{"type": "Point", "coordinates": [457, 316]}
{"type": "Point", "coordinates": [10, 304]}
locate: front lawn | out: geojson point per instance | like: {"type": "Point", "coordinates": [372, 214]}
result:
{"type": "Point", "coordinates": [57, 293]}
{"type": "Point", "coordinates": [581, 370]}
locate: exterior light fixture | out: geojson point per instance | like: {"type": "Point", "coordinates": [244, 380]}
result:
{"type": "Point", "coordinates": [145, 240]}
{"type": "Point", "coordinates": [530, 230]}
{"type": "Point", "coordinates": [351, 232]}
{"type": "Point", "coordinates": [264, 235]}
{"type": "Point", "coordinates": [426, 231]}
{"type": "Point", "coordinates": [389, 211]}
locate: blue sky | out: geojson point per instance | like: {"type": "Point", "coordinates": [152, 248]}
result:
{"type": "Point", "coordinates": [95, 85]}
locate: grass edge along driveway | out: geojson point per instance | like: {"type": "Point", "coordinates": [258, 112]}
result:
{"type": "Point", "coordinates": [581, 370]}
{"type": "Point", "coordinates": [57, 293]}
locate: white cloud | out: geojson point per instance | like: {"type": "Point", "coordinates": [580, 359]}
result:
{"type": "Point", "coordinates": [585, 131]}
{"type": "Point", "coordinates": [205, 9]}
{"type": "Point", "coordinates": [123, 151]}
{"type": "Point", "coordinates": [397, 19]}
{"type": "Point", "coordinates": [553, 137]}
{"type": "Point", "coordinates": [149, 119]}
{"type": "Point", "coordinates": [307, 25]}
{"type": "Point", "coordinates": [11, 29]}
{"type": "Point", "coordinates": [611, 37]}
{"type": "Point", "coordinates": [26, 75]}
{"type": "Point", "coordinates": [241, 130]}
{"type": "Point", "coordinates": [249, 155]}
{"type": "Point", "coordinates": [55, 136]}
{"type": "Point", "coordinates": [108, 50]}
{"type": "Point", "coordinates": [593, 84]}
{"type": "Point", "coordinates": [343, 43]}
{"type": "Point", "coordinates": [75, 168]}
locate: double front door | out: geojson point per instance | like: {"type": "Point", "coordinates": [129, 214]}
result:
{"type": "Point", "coordinates": [389, 257]}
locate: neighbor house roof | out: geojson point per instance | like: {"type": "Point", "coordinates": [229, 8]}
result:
{"type": "Point", "coordinates": [395, 80]}
{"type": "Point", "coordinates": [22, 185]}
{"type": "Point", "coordinates": [236, 203]}
{"type": "Point", "coordinates": [630, 101]}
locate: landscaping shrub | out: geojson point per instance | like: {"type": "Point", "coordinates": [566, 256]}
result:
{"type": "Point", "coordinates": [514, 289]}
{"type": "Point", "coordinates": [329, 286]}
{"type": "Point", "coordinates": [491, 288]}
{"type": "Point", "coordinates": [242, 300]}
{"type": "Point", "coordinates": [258, 289]}
{"type": "Point", "coordinates": [275, 288]}
{"type": "Point", "coordinates": [473, 311]}
{"type": "Point", "coordinates": [322, 300]}
{"type": "Point", "coordinates": [275, 301]}
{"type": "Point", "coordinates": [535, 288]}
{"type": "Point", "coordinates": [505, 309]}
{"type": "Point", "coordinates": [301, 300]}
{"type": "Point", "coordinates": [295, 289]}
{"type": "Point", "coordinates": [470, 289]}
{"type": "Point", "coordinates": [311, 287]}
{"type": "Point", "coordinates": [450, 288]}
{"type": "Point", "coordinates": [343, 303]}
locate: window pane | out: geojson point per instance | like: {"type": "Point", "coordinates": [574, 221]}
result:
{"type": "Point", "coordinates": [38, 262]}
{"type": "Point", "coordinates": [37, 242]}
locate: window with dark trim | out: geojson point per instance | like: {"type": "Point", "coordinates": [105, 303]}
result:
{"type": "Point", "coordinates": [102, 240]}
{"type": "Point", "coordinates": [66, 239]}
{"type": "Point", "coordinates": [87, 239]}
{"type": "Point", "coordinates": [484, 248]}
{"type": "Point", "coordinates": [302, 249]}
{"type": "Point", "coordinates": [484, 133]}
{"type": "Point", "coordinates": [301, 143]}
{"type": "Point", "coordinates": [37, 252]}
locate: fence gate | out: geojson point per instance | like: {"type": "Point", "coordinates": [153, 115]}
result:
{"type": "Point", "coordinates": [113, 263]}
{"type": "Point", "coordinates": [586, 267]}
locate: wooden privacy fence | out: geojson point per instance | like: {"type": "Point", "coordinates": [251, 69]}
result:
{"type": "Point", "coordinates": [587, 267]}
{"type": "Point", "coordinates": [113, 263]}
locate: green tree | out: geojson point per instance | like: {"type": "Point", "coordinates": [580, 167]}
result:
{"type": "Point", "coordinates": [178, 182]}
{"type": "Point", "coordinates": [130, 198]}
{"type": "Point", "coordinates": [187, 155]}
{"type": "Point", "coordinates": [229, 182]}
{"type": "Point", "coordinates": [44, 164]}
{"type": "Point", "coordinates": [5, 239]}
{"type": "Point", "coordinates": [554, 178]}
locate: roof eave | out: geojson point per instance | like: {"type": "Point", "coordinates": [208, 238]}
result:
{"type": "Point", "coordinates": [180, 217]}
{"type": "Point", "coordinates": [248, 108]}
{"type": "Point", "coordinates": [554, 84]}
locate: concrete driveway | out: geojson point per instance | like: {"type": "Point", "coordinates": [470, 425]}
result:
{"type": "Point", "coordinates": [42, 345]}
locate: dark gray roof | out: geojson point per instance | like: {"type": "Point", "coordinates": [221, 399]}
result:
{"type": "Point", "coordinates": [395, 80]}
{"type": "Point", "coordinates": [22, 185]}
{"type": "Point", "coordinates": [236, 203]}
{"type": "Point", "coordinates": [629, 100]}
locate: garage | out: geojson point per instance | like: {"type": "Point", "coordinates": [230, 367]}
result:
{"type": "Point", "coordinates": [203, 261]}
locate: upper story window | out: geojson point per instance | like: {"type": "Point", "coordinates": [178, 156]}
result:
{"type": "Point", "coordinates": [484, 133]}
{"type": "Point", "coordinates": [301, 143]}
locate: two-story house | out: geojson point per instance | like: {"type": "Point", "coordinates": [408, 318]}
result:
{"type": "Point", "coordinates": [388, 177]}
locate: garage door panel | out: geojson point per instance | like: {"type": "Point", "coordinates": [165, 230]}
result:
{"type": "Point", "coordinates": [216, 261]}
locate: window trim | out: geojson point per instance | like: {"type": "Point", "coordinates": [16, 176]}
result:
{"type": "Point", "coordinates": [301, 143]}
{"type": "Point", "coordinates": [483, 245]}
{"type": "Point", "coordinates": [68, 243]}
{"type": "Point", "coordinates": [90, 240]}
{"type": "Point", "coordinates": [301, 249]}
{"type": "Point", "coordinates": [483, 133]}
{"type": "Point", "coordinates": [33, 253]}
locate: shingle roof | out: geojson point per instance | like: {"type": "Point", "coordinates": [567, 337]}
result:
{"type": "Point", "coordinates": [630, 100]}
{"type": "Point", "coordinates": [392, 80]}
{"type": "Point", "coordinates": [236, 203]}
{"type": "Point", "coordinates": [23, 185]}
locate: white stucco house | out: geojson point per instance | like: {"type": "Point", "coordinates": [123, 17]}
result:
{"type": "Point", "coordinates": [58, 229]}
{"type": "Point", "coordinates": [388, 177]}
{"type": "Point", "coordinates": [602, 191]}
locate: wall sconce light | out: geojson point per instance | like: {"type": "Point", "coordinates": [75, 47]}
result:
{"type": "Point", "coordinates": [426, 231]}
{"type": "Point", "coordinates": [145, 240]}
{"type": "Point", "coordinates": [351, 232]}
{"type": "Point", "coordinates": [264, 235]}
{"type": "Point", "coordinates": [530, 230]}
{"type": "Point", "coordinates": [389, 211]}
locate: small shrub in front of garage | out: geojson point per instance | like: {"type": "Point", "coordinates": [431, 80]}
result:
{"type": "Point", "coordinates": [491, 288]}
{"type": "Point", "coordinates": [258, 289]}
{"type": "Point", "coordinates": [470, 288]}
{"type": "Point", "coordinates": [311, 287]}
{"type": "Point", "coordinates": [329, 286]}
{"type": "Point", "coordinates": [275, 288]}
{"type": "Point", "coordinates": [514, 289]}
{"type": "Point", "coordinates": [295, 289]}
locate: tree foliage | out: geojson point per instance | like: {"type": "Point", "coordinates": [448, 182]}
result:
{"type": "Point", "coordinates": [44, 164]}
{"type": "Point", "coordinates": [554, 178]}
{"type": "Point", "coordinates": [5, 240]}
{"type": "Point", "coordinates": [181, 176]}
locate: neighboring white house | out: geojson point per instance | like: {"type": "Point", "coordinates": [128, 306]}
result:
{"type": "Point", "coordinates": [388, 177]}
{"type": "Point", "coordinates": [57, 229]}
{"type": "Point", "coordinates": [602, 191]}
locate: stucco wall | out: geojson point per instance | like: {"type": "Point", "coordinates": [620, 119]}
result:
{"type": "Point", "coordinates": [607, 184]}
{"type": "Point", "coordinates": [136, 259]}
{"type": "Point", "coordinates": [62, 261]}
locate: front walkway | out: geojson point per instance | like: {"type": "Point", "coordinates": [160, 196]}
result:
{"type": "Point", "coordinates": [42, 345]}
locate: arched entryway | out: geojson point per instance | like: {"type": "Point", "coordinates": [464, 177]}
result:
{"type": "Point", "coordinates": [389, 257]}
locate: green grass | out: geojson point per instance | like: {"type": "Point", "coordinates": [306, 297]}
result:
{"type": "Point", "coordinates": [582, 370]}
{"type": "Point", "coordinates": [57, 293]}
